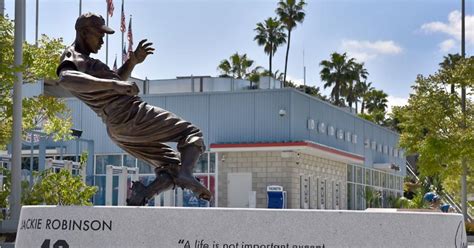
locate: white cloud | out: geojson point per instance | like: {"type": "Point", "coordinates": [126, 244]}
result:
{"type": "Point", "coordinates": [395, 101]}
{"type": "Point", "coordinates": [447, 45]}
{"type": "Point", "coordinates": [367, 50]}
{"type": "Point", "coordinates": [452, 28]}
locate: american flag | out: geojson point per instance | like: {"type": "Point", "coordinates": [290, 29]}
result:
{"type": "Point", "coordinates": [122, 22]}
{"type": "Point", "coordinates": [110, 7]}
{"type": "Point", "coordinates": [124, 55]}
{"type": "Point", "coordinates": [130, 36]}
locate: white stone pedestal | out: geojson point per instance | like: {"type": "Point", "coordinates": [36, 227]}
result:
{"type": "Point", "coordinates": [161, 227]}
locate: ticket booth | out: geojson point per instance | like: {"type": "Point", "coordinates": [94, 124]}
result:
{"type": "Point", "coordinates": [276, 197]}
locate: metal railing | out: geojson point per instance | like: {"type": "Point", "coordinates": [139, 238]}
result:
{"type": "Point", "coordinates": [446, 196]}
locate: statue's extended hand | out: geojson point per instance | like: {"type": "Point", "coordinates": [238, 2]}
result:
{"type": "Point", "coordinates": [127, 88]}
{"type": "Point", "coordinates": [143, 50]}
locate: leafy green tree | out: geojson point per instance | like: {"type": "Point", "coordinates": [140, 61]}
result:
{"type": "Point", "coordinates": [61, 188]}
{"type": "Point", "coordinates": [270, 35]}
{"type": "Point", "coordinates": [337, 73]}
{"type": "Point", "coordinates": [290, 13]}
{"type": "Point", "coordinates": [395, 118]}
{"type": "Point", "coordinates": [449, 63]}
{"type": "Point", "coordinates": [433, 122]}
{"type": "Point", "coordinates": [39, 62]}
{"type": "Point", "coordinates": [312, 91]}
{"type": "Point", "coordinates": [50, 188]}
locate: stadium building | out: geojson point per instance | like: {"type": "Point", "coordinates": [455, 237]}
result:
{"type": "Point", "coordinates": [323, 156]}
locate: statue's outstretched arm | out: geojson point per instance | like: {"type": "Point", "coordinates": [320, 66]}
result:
{"type": "Point", "coordinates": [80, 82]}
{"type": "Point", "coordinates": [136, 57]}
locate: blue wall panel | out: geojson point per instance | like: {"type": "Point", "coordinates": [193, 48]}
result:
{"type": "Point", "coordinates": [232, 118]}
{"type": "Point", "coordinates": [299, 117]}
{"type": "Point", "coordinates": [194, 108]}
{"type": "Point", "coordinates": [269, 125]}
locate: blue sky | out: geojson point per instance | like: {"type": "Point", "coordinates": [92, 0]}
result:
{"type": "Point", "coordinates": [396, 39]}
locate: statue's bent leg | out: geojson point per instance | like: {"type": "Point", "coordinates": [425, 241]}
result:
{"type": "Point", "coordinates": [166, 163]}
{"type": "Point", "coordinates": [185, 179]}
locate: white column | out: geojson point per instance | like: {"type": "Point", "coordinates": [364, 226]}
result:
{"type": "Point", "coordinates": [122, 187]}
{"type": "Point", "coordinates": [179, 195]}
{"type": "Point", "coordinates": [109, 184]}
{"type": "Point", "coordinates": [216, 181]}
{"type": "Point", "coordinates": [169, 198]}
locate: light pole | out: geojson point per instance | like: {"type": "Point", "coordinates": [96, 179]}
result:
{"type": "Point", "coordinates": [463, 106]}
{"type": "Point", "coordinates": [15, 204]}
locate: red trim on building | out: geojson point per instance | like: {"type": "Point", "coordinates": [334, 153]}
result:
{"type": "Point", "coordinates": [290, 144]}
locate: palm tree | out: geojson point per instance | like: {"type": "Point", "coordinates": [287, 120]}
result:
{"type": "Point", "coordinates": [270, 35]}
{"type": "Point", "coordinates": [376, 101]}
{"type": "Point", "coordinates": [290, 13]}
{"type": "Point", "coordinates": [237, 66]}
{"type": "Point", "coordinates": [337, 73]}
{"type": "Point", "coordinates": [449, 63]}
{"type": "Point", "coordinates": [254, 76]}
{"type": "Point", "coordinates": [353, 93]}
{"type": "Point", "coordinates": [363, 88]}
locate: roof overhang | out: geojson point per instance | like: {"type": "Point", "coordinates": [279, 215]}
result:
{"type": "Point", "coordinates": [389, 167]}
{"type": "Point", "coordinates": [307, 147]}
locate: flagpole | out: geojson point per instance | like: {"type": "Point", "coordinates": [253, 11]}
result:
{"type": "Point", "coordinates": [107, 38]}
{"type": "Point", "coordinates": [36, 29]}
{"type": "Point", "coordinates": [121, 47]}
{"type": "Point", "coordinates": [80, 7]}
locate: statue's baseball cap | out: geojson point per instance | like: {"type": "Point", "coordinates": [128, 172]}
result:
{"type": "Point", "coordinates": [93, 20]}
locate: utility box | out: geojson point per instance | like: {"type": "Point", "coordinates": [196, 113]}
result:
{"type": "Point", "coordinates": [276, 197]}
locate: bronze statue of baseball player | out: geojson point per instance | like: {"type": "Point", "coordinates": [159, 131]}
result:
{"type": "Point", "coordinates": [135, 126]}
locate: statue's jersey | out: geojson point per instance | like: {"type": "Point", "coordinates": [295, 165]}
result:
{"type": "Point", "coordinates": [99, 101]}
{"type": "Point", "coordinates": [135, 126]}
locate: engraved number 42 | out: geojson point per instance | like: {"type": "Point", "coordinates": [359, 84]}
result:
{"type": "Point", "coordinates": [58, 244]}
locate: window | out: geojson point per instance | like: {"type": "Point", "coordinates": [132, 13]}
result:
{"type": "Point", "coordinates": [101, 161]}
{"type": "Point", "coordinates": [368, 178]}
{"type": "Point", "coordinates": [129, 161]}
{"type": "Point", "coordinates": [359, 174]}
{"type": "Point", "coordinates": [145, 168]}
{"type": "Point", "coordinates": [350, 173]}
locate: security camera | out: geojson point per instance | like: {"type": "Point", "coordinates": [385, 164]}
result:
{"type": "Point", "coordinates": [282, 112]}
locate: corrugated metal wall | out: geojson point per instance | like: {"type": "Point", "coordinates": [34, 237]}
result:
{"type": "Point", "coordinates": [254, 116]}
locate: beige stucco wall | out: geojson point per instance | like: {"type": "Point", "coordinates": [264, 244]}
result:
{"type": "Point", "coordinates": [281, 168]}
